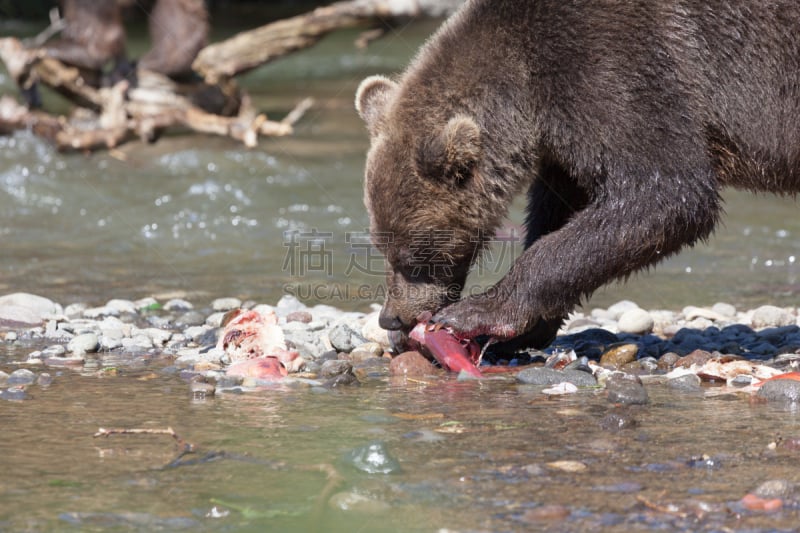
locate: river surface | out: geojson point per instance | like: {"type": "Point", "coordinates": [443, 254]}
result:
{"type": "Point", "coordinates": [202, 217]}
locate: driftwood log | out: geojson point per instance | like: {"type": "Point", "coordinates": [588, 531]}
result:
{"type": "Point", "coordinates": [250, 49]}
{"type": "Point", "coordinates": [109, 116]}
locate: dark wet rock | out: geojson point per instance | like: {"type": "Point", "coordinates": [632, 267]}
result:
{"type": "Point", "coordinates": [775, 488]}
{"type": "Point", "coordinates": [411, 364]}
{"type": "Point", "coordinates": [303, 317]}
{"type": "Point", "coordinates": [84, 343]}
{"type": "Point", "coordinates": [696, 357]}
{"type": "Point", "coordinates": [21, 376]}
{"type": "Point", "coordinates": [373, 368]}
{"type": "Point", "coordinates": [685, 383]}
{"type": "Point", "coordinates": [344, 338]}
{"type": "Point", "coordinates": [780, 390]}
{"type": "Point", "coordinates": [581, 363]}
{"type": "Point", "coordinates": [342, 380]}
{"type": "Point", "coordinates": [373, 458]}
{"type": "Point", "coordinates": [626, 389]}
{"type": "Point", "coordinates": [617, 421]}
{"type": "Point", "coordinates": [549, 376]}
{"type": "Point", "coordinates": [16, 393]}
{"type": "Point", "coordinates": [760, 348]}
{"type": "Point", "coordinates": [618, 356]}
{"type": "Point", "coordinates": [334, 368]}
{"type": "Point", "coordinates": [590, 343]}
{"type": "Point", "coordinates": [768, 316]}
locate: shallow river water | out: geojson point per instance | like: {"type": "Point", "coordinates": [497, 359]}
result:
{"type": "Point", "coordinates": [202, 217]}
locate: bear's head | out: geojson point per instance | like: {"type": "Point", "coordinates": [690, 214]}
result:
{"type": "Point", "coordinates": [424, 194]}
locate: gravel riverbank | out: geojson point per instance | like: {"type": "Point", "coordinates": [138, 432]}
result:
{"type": "Point", "coordinates": [618, 348]}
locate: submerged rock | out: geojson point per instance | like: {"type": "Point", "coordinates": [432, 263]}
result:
{"type": "Point", "coordinates": [549, 376]}
{"type": "Point", "coordinates": [373, 458]}
{"type": "Point", "coordinates": [626, 389]}
{"type": "Point", "coordinates": [780, 390]}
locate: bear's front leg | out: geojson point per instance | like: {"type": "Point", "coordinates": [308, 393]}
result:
{"type": "Point", "coordinates": [625, 228]}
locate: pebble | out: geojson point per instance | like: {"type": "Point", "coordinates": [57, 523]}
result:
{"type": "Point", "coordinates": [333, 368]}
{"type": "Point", "coordinates": [344, 338]}
{"type": "Point", "coordinates": [617, 421]}
{"type": "Point", "coordinates": [775, 488]}
{"type": "Point", "coordinates": [188, 332]}
{"type": "Point", "coordinates": [618, 356]}
{"type": "Point", "coordinates": [177, 304]}
{"type": "Point", "coordinates": [411, 364]}
{"type": "Point", "coordinates": [21, 376]}
{"type": "Point", "coordinates": [549, 376]}
{"type": "Point", "coordinates": [303, 317]}
{"type": "Point", "coordinates": [85, 343]}
{"type": "Point", "coordinates": [780, 390]}
{"type": "Point", "coordinates": [636, 321]}
{"type": "Point", "coordinates": [769, 316]}
{"type": "Point", "coordinates": [626, 389]}
{"type": "Point", "coordinates": [685, 383]}
{"type": "Point", "coordinates": [226, 304]}
{"type": "Point", "coordinates": [616, 310]}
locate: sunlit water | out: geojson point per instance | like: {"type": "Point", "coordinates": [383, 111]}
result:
{"type": "Point", "coordinates": [203, 217]}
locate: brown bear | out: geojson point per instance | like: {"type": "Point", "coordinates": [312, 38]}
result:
{"type": "Point", "coordinates": [93, 34]}
{"type": "Point", "coordinates": [178, 30]}
{"type": "Point", "coordinates": [623, 120]}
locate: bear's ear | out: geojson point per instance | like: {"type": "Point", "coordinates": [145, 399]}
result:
{"type": "Point", "coordinates": [452, 154]}
{"type": "Point", "coordinates": [372, 97]}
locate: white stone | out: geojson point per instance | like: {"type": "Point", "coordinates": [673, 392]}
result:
{"type": "Point", "coordinates": [226, 304]}
{"type": "Point", "coordinates": [636, 321]}
{"type": "Point", "coordinates": [620, 307]}
{"type": "Point", "coordinates": [769, 316]}
{"type": "Point", "coordinates": [84, 343]}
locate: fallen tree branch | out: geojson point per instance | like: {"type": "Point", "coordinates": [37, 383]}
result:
{"type": "Point", "coordinates": [250, 49]}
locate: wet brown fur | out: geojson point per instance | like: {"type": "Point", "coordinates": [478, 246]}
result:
{"type": "Point", "coordinates": [178, 31]}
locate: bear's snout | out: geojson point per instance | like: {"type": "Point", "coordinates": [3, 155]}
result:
{"type": "Point", "coordinates": [389, 320]}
